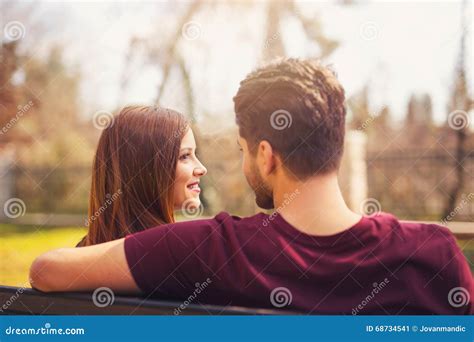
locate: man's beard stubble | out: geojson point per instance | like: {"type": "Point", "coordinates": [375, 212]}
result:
{"type": "Point", "coordinates": [263, 193]}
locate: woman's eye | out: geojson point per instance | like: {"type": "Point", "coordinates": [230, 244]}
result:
{"type": "Point", "coordinates": [185, 156]}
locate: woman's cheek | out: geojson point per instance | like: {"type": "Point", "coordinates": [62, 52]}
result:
{"type": "Point", "coordinates": [183, 176]}
{"type": "Point", "coordinates": [181, 172]}
{"type": "Point", "coordinates": [180, 180]}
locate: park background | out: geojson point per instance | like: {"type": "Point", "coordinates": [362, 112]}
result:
{"type": "Point", "coordinates": [66, 67]}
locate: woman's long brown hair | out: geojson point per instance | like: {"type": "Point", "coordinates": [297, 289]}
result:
{"type": "Point", "coordinates": [133, 173]}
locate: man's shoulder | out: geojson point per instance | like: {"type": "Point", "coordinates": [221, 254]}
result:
{"type": "Point", "coordinates": [428, 233]}
{"type": "Point", "coordinates": [414, 231]}
{"type": "Point", "coordinates": [431, 244]}
{"type": "Point", "coordinates": [224, 218]}
{"type": "Point", "coordinates": [220, 222]}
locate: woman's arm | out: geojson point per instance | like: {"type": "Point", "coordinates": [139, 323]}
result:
{"type": "Point", "coordinates": [84, 269]}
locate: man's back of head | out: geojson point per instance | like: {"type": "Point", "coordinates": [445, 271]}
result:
{"type": "Point", "coordinates": [298, 107]}
{"type": "Point", "coordinates": [291, 120]}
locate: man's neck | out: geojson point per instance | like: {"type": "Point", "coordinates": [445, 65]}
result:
{"type": "Point", "coordinates": [315, 206]}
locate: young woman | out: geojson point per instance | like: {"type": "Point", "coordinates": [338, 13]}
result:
{"type": "Point", "coordinates": [145, 167]}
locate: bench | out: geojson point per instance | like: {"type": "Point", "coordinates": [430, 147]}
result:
{"type": "Point", "coordinates": [26, 301]}
{"type": "Point", "coordinates": [461, 230]}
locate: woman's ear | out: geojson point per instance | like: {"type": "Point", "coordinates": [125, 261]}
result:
{"type": "Point", "coordinates": [266, 158]}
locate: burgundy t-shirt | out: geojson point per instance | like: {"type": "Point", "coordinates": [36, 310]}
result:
{"type": "Point", "coordinates": [379, 266]}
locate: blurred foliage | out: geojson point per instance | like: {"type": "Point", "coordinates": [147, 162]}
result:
{"type": "Point", "coordinates": [9, 61]}
{"type": "Point", "coordinates": [224, 187]}
{"type": "Point", "coordinates": [56, 134]}
{"type": "Point", "coordinates": [53, 148]}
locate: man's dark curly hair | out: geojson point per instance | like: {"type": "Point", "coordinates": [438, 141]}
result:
{"type": "Point", "coordinates": [298, 107]}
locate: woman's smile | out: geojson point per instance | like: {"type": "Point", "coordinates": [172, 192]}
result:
{"type": "Point", "coordinates": [194, 187]}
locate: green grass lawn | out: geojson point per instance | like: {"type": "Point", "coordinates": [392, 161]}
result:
{"type": "Point", "coordinates": [19, 245]}
{"type": "Point", "coordinates": [467, 247]}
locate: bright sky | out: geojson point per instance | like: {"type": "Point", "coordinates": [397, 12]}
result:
{"type": "Point", "coordinates": [396, 47]}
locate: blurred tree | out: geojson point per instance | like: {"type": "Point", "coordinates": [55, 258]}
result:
{"type": "Point", "coordinates": [381, 130]}
{"type": "Point", "coordinates": [427, 109]}
{"type": "Point", "coordinates": [358, 106]}
{"type": "Point", "coordinates": [54, 167]}
{"type": "Point", "coordinates": [418, 127]}
{"type": "Point", "coordinates": [375, 122]}
{"type": "Point", "coordinates": [44, 81]}
{"type": "Point", "coordinates": [18, 43]}
{"type": "Point", "coordinates": [9, 93]}
{"type": "Point", "coordinates": [167, 56]}
{"type": "Point", "coordinates": [459, 106]}
{"type": "Point", "coordinates": [39, 104]}
{"type": "Point", "coordinates": [276, 13]}
{"type": "Point", "coordinates": [384, 119]}
{"type": "Point", "coordinates": [419, 111]}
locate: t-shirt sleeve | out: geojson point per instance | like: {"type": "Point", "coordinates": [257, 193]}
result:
{"type": "Point", "coordinates": [168, 260]}
{"type": "Point", "coordinates": [456, 273]}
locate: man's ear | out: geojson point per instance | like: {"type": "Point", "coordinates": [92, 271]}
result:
{"type": "Point", "coordinates": [266, 158]}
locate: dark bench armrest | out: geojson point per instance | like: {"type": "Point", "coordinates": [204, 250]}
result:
{"type": "Point", "coordinates": [26, 301]}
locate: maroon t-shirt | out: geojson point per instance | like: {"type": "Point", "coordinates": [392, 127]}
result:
{"type": "Point", "coordinates": [378, 266]}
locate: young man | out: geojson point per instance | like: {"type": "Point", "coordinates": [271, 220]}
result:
{"type": "Point", "coordinates": [312, 255]}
